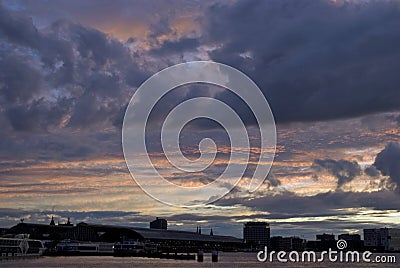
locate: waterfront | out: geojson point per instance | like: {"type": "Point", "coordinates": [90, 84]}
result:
{"type": "Point", "coordinates": [226, 259]}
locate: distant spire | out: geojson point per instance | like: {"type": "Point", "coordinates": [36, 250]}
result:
{"type": "Point", "coordinates": [211, 232]}
{"type": "Point", "coordinates": [197, 230]}
{"type": "Point", "coordinates": [200, 230]}
{"type": "Point", "coordinates": [68, 222]}
{"type": "Point", "coordinates": [52, 221]}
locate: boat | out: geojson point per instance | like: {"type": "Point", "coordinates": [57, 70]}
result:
{"type": "Point", "coordinates": [20, 246]}
{"type": "Point", "coordinates": [129, 248]}
{"type": "Point", "coordinates": [71, 247]}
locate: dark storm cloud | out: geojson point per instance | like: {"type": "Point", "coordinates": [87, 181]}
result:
{"type": "Point", "coordinates": [66, 70]}
{"type": "Point", "coordinates": [344, 170]}
{"type": "Point", "coordinates": [20, 30]}
{"type": "Point", "coordinates": [289, 204]}
{"type": "Point", "coordinates": [372, 171]}
{"type": "Point", "coordinates": [60, 146]}
{"type": "Point", "coordinates": [38, 115]}
{"type": "Point", "coordinates": [59, 84]}
{"type": "Point", "coordinates": [120, 14]}
{"type": "Point", "coordinates": [388, 162]}
{"type": "Point", "coordinates": [314, 60]}
{"type": "Point", "coordinates": [20, 79]}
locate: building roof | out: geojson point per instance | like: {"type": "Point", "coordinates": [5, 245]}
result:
{"type": "Point", "coordinates": [41, 226]}
{"type": "Point", "coordinates": [160, 234]}
{"type": "Point", "coordinates": [183, 235]}
{"type": "Point", "coordinates": [256, 223]}
{"type": "Point", "coordinates": [144, 233]}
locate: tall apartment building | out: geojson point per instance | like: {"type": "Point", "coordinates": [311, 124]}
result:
{"type": "Point", "coordinates": [256, 233]}
{"type": "Point", "coordinates": [387, 239]}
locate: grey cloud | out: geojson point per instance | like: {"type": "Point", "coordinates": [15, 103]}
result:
{"type": "Point", "coordinates": [79, 71]}
{"type": "Point", "coordinates": [282, 208]}
{"type": "Point", "coordinates": [372, 171]}
{"type": "Point", "coordinates": [168, 48]}
{"type": "Point", "coordinates": [161, 27]}
{"type": "Point", "coordinates": [288, 204]}
{"type": "Point", "coordinates": [344, 170]}
{"type": "Point", "coordinates": [38, 115]}
{"type": "Point", "coordinates": [66, 80]}
{"type": "Point", "coordinates": [20, 80]}
{"type": "Point", "coordinates": [314, 60]}
{"type": "Point", "coordinates": [60, 146]}
{"type": "Point", "coordinates": [272, 180]}
{"type": "Point", "coordinates": [388, 162]}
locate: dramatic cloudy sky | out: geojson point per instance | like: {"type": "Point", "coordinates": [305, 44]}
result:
{"type": "Point", "coordinates": [329, 69]}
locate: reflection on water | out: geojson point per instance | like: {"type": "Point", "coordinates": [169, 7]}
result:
{"type": "Point", "coordinates": [226, 260]}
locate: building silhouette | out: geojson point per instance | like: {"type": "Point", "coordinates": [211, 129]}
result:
{"type": "Point", "coordinates": [324, 242]}
{"type": "Point", "coordinates": [66, 224]}
{"type": "Point", "coordinates": [354, 241]}
{"type": "Point", "coordinates": [167, 241]}
{"type": "Point", "coordinates": [350, 237]}
{"type": "Point", "coordinates": [279, 243]}
{"type": "Point", "coordinates": [3, 231]}
{"type": "Point", "coordinates": [256, 234]}
{"type": "Point", "coordinates": [159, 223]}
{"type": "Point", "coordinates": [325, 237]}
{"type": "Point", "coordinates": [382, 239]}
{"type": "Point", "coordinates": [42, 231]}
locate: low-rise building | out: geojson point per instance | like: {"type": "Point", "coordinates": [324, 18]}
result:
{"type": "Point", "coordinates": [279, 243]}
{"type": "Point", "coordinates": [354, 241]}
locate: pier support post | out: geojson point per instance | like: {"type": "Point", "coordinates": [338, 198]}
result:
{"type": "Point", "coordinates": [200, 256]}
{"type": "Point", "coordinates": [214, 256]}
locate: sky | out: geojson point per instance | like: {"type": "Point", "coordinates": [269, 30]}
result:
{"type": "Point", "coordinates": [329, 70]}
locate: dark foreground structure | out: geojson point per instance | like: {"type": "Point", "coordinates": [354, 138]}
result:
{"type": "Point", "coordinates": [168, 241]}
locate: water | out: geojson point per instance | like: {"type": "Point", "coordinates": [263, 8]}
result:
{"type": "Point", "coordinates": [226, 260]}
